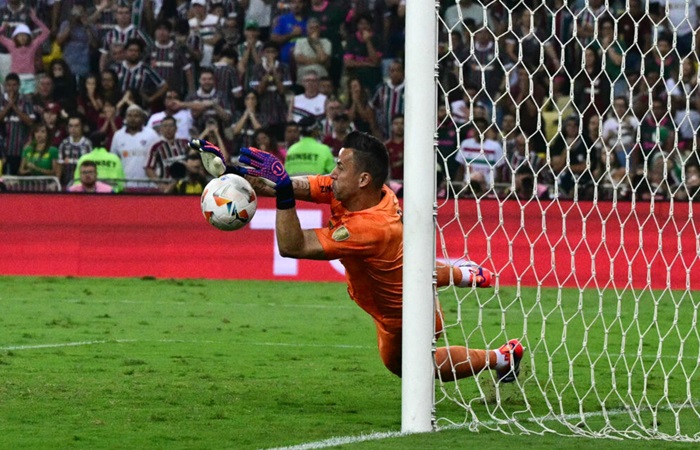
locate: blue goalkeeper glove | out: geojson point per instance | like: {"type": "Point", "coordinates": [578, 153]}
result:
{"type": "Point", "coordinates": [267, 166]}
{"type": "Point", "coordinates": [212, 158]}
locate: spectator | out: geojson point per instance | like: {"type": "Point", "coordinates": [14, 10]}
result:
{"type": "Point", "coordinates": [23, 49]}
{"type": "Point", "coordinates": [71, 149]}
{"type": "Point", "coordinates": [52, 117]}
{"type": "Point", "coordinates": [482, 65]}
{"type": "Point", "coordinates": [395, 147]}
{"type": "Point", "coordinates": [13, 12]}
{"type": "Point", "coordinates": [205, 24]}
{"type": "Point", "coordinates": [78, 38]}
{"type": "Point", "coordinates": [447, 146]}
{"type": "Point", "coordinates": [166, 151]}
{"type": "Point", "coordinates": [292, 133]}
{"type": "Point", "coordinates": [480, 157]}
{"type": "Point", "coordinates": [311, 103]}
{"type": "Point", "coordinates": [109, 87]}
{"type": "Point", "coordinates": [327, 87]}
{"type": "Point", "coordinates": [117, 37]}
{"type": "Point", "coordinates": [212, 133]}
{"type": "Point", "coordinates": [109, 122]}
{"type": "Point", "coordinates": [614, 51]}
{"type": "Point", "coordinates": [313, 52]}
{"type": "Point", "coordinates": [264, 140]}
{"type": "Point", "coordinates": [309, 156]}
{"type": "Point", "coordinates": [260, 12]}
{"type": "Point", "coordinates": [226, 75]}
{"type": "Point", "coordinates": [359, 108]}
{"type": "Point", "coordinates": [331, 17]}
{"type": "Point", "coordinates": [190, 176]}
{"type": "Point", "coordinates": [332, 108]}
{"type": "Point", "coordinates": [17, 117]}
{"type": "Point", "coordinates": [471, 12]}
{"type": "Point", "coordinates": [109, 166]}
{"type": "Point", "coordinates": [64, 87]}
{"type": "Point", "coordinates": [527, 40]}
{"type": "Point", "coordinates": [683, 24]}
{"type": "Point", "coordinates": [88, 180]}
{"type": "Point", "coordinates": [570, 160]}
{"type": "Point", "coordinates": [207, 102]}
{"type": "Point", "coordinates": [170, 62]}
{"type": "Point", "coordinates": [146, 86]}
{"type": "Point", "coordinates": [39, 157]}
{"type": "Point", "coordinates": [90, 101]}
{"type": "Point", "coordinates": [522, 169]}
{"type": "Point", "coordinates": [272, 80]}
{"type": "Point", "coordinates": [189, 42]}
{"type": "Point", "coordinates": [388, 100]}
{"type": "Point", "coordinates": [132, 143]}
{"type": "Point", "coordinates": [620, 134]}
{"type": "Point", "coordinates": [362, 57]}
{"type": "Point", "coordinates": [288, 29]}
{"type": "Point", "coordinates": [44, 93]}
{"type": "Point", "coordinates": [175, 108]}
{"type": "Point", "coordinates": [250, 52]}
{"type": "Point", "coordinates": [341, 128]}
{"type": "Point", "coordinates": [248, 123]}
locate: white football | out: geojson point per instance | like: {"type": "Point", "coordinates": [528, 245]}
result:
{"type": "Point", "coordinates": [229, 202]}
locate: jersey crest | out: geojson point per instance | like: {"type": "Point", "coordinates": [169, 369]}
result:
{"type": "Point", "coordinates": [341, 234]}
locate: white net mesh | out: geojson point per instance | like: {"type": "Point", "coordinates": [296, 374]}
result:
{"type": "Point", "coordinates": [568, 165]}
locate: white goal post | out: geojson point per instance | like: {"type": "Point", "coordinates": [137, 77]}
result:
{"type": "Point", "coordinates": [566, 138]}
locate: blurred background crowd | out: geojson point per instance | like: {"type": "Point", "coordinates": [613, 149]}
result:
{"type": "Point", "coordinates": [565, 98]}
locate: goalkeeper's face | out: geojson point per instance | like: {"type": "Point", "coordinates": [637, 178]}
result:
{"type": "Point", "coordinates": [347, 179]}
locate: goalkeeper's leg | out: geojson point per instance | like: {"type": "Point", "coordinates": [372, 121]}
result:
{"type": "Point", "coordinates": [464, 275]}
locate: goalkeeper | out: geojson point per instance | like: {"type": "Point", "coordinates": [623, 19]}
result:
{"type": "Point", "coordinates": [365, 233]}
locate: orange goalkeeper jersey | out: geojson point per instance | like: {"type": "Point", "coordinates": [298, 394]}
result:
{"type": "Point", "coordinates": [369, 244]}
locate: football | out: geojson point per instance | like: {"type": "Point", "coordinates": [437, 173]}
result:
{"type": "Point", "coordinates": [229, 202]}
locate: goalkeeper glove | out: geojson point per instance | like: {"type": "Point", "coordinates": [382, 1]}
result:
{"type": "Point", "coordinates": [267, 166]}
{"type": "Point", "coordinates": [212, 158]}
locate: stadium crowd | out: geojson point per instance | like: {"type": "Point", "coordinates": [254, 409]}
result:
{"type": "Point", "coordinates": [564, 98]}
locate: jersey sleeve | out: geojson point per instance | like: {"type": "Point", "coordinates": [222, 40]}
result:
{"type": "Point", "coordinates": [321, 191]}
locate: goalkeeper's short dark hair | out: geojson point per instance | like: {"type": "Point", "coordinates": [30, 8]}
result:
{"type": "Point", "coordinates": [370, 156]}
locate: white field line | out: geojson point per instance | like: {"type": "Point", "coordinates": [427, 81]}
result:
{"type": "Point", "coordinates": [119, 341]}
{"type": "Point", "coordinates": [156, 302]}
{"type": "Point", "coordinates": [347, 440]}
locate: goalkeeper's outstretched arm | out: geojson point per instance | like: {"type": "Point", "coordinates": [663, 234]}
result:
{"type": "Point", "coordinates": [302, 188]}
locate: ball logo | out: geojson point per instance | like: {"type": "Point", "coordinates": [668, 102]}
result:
{"type": "Point", "coordinates": [277, 169]}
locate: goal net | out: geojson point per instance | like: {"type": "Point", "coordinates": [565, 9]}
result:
{"type": "Point", "coordinates": [568, 165]}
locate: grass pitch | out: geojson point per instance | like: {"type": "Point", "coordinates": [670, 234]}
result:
{"type": "Point", "coordinates": [144, 363]}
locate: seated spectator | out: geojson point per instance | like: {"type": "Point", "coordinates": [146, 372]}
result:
{"type": "Point", "coordinates": [53, 119]}
{"type": "Point", "coordinates": [109, 87]}
{"type": "Point", "coordinates": [480, 157]}
{"type": "Point", "coordinates": [72, 148]}
{"type": "Point", "coordinates": [327, 87]}
{"type": "Point", "coordinates": [166, 151]}
{"type": "Point", "coordinates": [568, 154]}
{"type": "Point", "coordinates": [109, 166]}
{"type": "Point", "coordinates": [109, 122]}
{"type": "Point", "coordinates": [248, 123]}
{"type": "Point", "coordinates": [313, 52]}
{"type": "Point", "coordinates": [311, 103]}
{"type": "Point", "coordinates": [190, 176]}
{"type": "Point", "coordinates": [39, 157]}
{"type": "Point", "coordinates": [88, 180]}
{"type": "Point", "coordinates": [64, 87]}
{"type": "Point", "coordinates": [132, 144]}
{"type": "Point", "coordinates": [395, 146]}
{"type": "Point", "coordinates": [291, 136]}
{"type": "Point", "coordinates": [309, 156]}
{"type": "Point", "coordinates": [359, 109]}
{"type": "Point", "coordinates": [332, 108]}
{"type": "Point", "coordinates": [175, 108]}
{"type": "Point", "coordinates": [212, 133]}
{"type": "Point", "coordinates": [43, 94]}
{"type": "Point", "coordinates": [265, 140]}
{"type": "Point", "coordinates": [207, 102]}
{"type": "Point", "coordinates": [341, 128]}
{"type": "Point", "coordinates": [523, 168]}
{"type": "Point", "coordinates": [90, 101]}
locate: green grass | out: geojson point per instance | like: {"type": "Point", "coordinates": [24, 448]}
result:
{"type": "Point", "coordinates": [242, 365]}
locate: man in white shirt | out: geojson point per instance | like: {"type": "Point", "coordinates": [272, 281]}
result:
{"type": "Point", "coordinates": [480, 155]}
{"type": "Point", "coordinates": [311, 103]}
{"type": "Point", "coordinates": [132, 144]}
{"type": "Point", "coordinates": [174, 107]}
